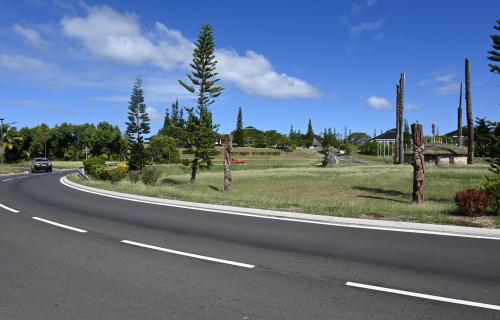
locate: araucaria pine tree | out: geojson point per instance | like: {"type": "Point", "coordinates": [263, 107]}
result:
{"type": "Point", "coordinates": [238, 133]}
{"type": "Point", "coordinates": [495, 53]}
{"type": "Point", "coordinates": [309, 134]}
{"type": "Point", "coordinates": [202, 83]}
{"type": "Point", "coordinates": [137, 127]}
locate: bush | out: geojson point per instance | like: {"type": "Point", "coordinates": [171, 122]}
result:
{"type": "Point", "coordinates": [92, 164]}
{"type": "Point", "coordinates": [186, 162]}
{"type": "Point", "coordinates": [113, 174]}
{"type": "Point", "coordinates": [134, 176]}
{"type": "Point", "coordinates": [150, 175]}
{"type": "Point", "coordinates": [370, 148]}
{"type": "Point", "coordinates": [491, 184]}
{"type": "Point", "coordinates": [163, 149]}
{"type": "Point", "coordinates": [473, 202]}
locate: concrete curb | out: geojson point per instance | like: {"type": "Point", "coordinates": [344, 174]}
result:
{"type": "Point", "coordinates": [411, 227]}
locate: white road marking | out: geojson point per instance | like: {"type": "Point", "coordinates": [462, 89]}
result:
{"type": "Point", "coordinates": [333, 224]}
{"type": "Point", "coordinates": [22, 177]}
{"type": "Point", "coordinates": [8, 179]}
{"type": "Point", "coordinates": [8, 208]}
{"type": "Point", "coordinates": [424, 296]}
{"type": "Point", "coordinates": [191, 255]}
{"type": "Point", "coordinates": [59, 225]}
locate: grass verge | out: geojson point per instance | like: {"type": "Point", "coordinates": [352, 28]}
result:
{"type": "Point", "coordinates": [373, 191]}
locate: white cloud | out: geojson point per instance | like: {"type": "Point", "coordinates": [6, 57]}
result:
{"type": "Point", "coordinates": [366, 27]}
{"type": "Point", "coordinates": [255, 75]}
{"type": "Point", "coordinates": [21, 63]}
{"type": "Point", "coordinates": [154, 115]}
{"type": "Point", "coordinates": [412, 106]}
{"type": "Point", "coordinates": [452, 87]}
{"type": "Point", "coordinates": [358, 6]}
{"type": "Point", "coordinates": [109, 34]}
{"type": "Point", "coordinates": [438, 77]}
{"type": "Point", "coordinates": [31, 36]}
{"type": "Point", "coordinates": [378, 103]}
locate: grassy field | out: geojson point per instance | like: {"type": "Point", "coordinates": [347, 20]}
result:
{"type": "Point", "coordinates": [348, 190]}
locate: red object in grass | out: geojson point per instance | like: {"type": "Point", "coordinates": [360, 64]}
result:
{"type": "Point", "coordinates": [236, 161]}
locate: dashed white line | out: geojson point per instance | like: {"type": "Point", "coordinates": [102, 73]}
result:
{"type": "Point", "coordinates": [8, 208]}
{"type": "Point", "coordinates": [8, 179]}
{"type": "Point", "coordinates": [425, 296]}
{"type": "Point", "coordinates": [59, 225]}
{"type": "Point", "coordinates": [191, 255]}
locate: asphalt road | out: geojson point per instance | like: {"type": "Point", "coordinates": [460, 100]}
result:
{"type": "Point", "coordinates": [167, 268]}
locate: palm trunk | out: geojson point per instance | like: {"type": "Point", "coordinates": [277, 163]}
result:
{"type": "Point", "coordinates": [470, 119]}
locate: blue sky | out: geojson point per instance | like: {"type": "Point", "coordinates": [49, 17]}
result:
{"type": "Point", "coordinates": [283, 62]}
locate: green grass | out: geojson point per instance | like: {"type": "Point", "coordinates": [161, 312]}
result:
{"type": "Point", "coordinates": [370, 191]}
{"type": "Point", "coordinates": [26, 165]}
{"type": "Point", "coordinates": [11, 168]}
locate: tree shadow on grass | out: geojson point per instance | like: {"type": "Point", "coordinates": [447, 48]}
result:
{"type": "Point", "coordinates": [172, 181]}
{"type": "Point", "coordinates": [382, 198]}
{"type": "Point", "coordinates": [388, 192]}
{"type": "Point", "coordinates": [214, 188]}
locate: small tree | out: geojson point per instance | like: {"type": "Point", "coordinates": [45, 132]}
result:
{"type": "Point", "coordinates": [310, 134]}
{"type": "Point", "coordinates": [203, 81]}
{"type": "Point", "coordinates": [238, 133]}
{"type": "Point", "coordinates": [495, 53]}
{"type": "Point", "coordinates": [137, 127]}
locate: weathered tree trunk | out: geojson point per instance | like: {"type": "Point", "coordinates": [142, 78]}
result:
{"type": "Point", "coordinates": [396, 153]}
{"type": "Point", "coordinates": [401, 148]}
{"type": "Point", "coordinates": [418, 163]}
{"type": "Point", "coordinates": [228, 148]}
{"type": "Point", "coordinates": [470, 120]}
{"type": "Point", "coordinates": [460, 134]}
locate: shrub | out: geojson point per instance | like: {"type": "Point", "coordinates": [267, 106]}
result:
{"type": "Point", "coordinates": [134, 175]}
{"type": "Point", "coordinates": [92, 164]}
{"type": "Point", "coordinates": [186, 162]}
{"type": "Point", "coordinates": [112, 174]}
{"type": "Point", "coordinates": [491, 184]}
{"type": "Point", "coordinates": [473, 202]}
{"type": "Point", "coordinates": [163, 149]}
{"type": "Point", "coordinates": [150, 175]}
{"type": "Point", "coordinates": [369, 148]}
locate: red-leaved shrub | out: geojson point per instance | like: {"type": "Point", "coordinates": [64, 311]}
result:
{"type": "Point", "coordinates": [473, 202]}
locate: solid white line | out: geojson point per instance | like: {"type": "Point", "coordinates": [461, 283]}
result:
{"type": "Point", "coordinates": [191, 255]}
{"type": "Point", "coordinates": [334, 224]}
{"type": "Point", "coordinates": [8, 179]}
{"type": "Point", "coordinates": [425, 296]}
{"type": "Point", "coordinates": [60, 225]}
{"type": "Point", "coordinates": [8, 208]}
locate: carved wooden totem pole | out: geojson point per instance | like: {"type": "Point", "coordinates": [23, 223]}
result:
{"type": "Point", "coordinates": [418, 163]}
{"type": "Point", "coordinates": [228, 148]}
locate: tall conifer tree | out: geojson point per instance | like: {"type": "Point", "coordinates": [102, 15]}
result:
{"type": "Point", "coordinates": [495, 53]}
{"type": "Point", "coordinates": [137, 126]}
{"type": "Point", "coordinates": [203, 84]}
{"type": "Point", "coordinates": [238, 133]}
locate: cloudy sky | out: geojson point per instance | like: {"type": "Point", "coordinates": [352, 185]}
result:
{"type": "Point", "coordinates": [336, 62]}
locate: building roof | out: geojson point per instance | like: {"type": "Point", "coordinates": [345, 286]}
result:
{"type": "Point", "coordinates": [442, 149]}
{"type": "Point", "coordinates": [454, 133]}
{"type": "Point", "coordinates": [388, 135]}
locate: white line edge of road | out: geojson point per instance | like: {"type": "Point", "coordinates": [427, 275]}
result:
{"type": "Point", "coordinates": [8, 208]}
{"type": "Point", "coordinates": [4, 180]}
{"type": "Point", "coordinates": [59, 225]}
{"type": "Point", "coordinates": [186, 254]}
{"type": "Point", "coordinates": [64, 181]}
{"type": "Point", "coordinates": [424, 296]}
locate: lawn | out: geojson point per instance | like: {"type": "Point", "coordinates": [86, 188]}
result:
{"type": "Point", "coordinates": [26, 165]}
{"type": "Point", "coordinates": [347, 190]}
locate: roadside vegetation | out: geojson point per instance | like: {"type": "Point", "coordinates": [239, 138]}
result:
{"type": "Point", "coordinates": [296, 184]}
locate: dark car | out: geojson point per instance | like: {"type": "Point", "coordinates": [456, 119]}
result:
{"type": "Point", "coordinates": [41, 164]}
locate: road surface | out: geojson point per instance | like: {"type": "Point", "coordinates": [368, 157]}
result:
{"type": "Point", "coordinates": [68, 254]}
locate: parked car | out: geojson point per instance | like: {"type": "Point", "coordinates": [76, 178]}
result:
{"type": "Point", "coordinates": [41, 164]}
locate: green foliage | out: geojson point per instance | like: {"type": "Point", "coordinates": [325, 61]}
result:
{"type": "Point", "coordinates": [174, 124]}
{"type": "Point", "coordinates": [92, 164]}
{"type": "Point", "coordinates": [150, 175]}
{"type": "Point", "coordinates": [113, 174]}
{"type": "Point", "coordinates": [137, 126]}
{"type": "Point", "coordinates": [238, 134]}
{"type": "Point", "coordinates": [487, 138]}
{"type": "Point", "coordinates": [491, 183]}
{"type": "Point", "coordinates": [347, 147]}
{"type": "Point", "coordinates": [370, 148]}
{"type": "Point", "coordinates": [163, 149]}
{"type": "Point", "coordinates": [200, 131]}
{"type": "Point", "coordinates": [358, 138]}
{"type": "Point", "coordinates": [134, 176]}
{"type": "Point", "coordinates": [310, 134]}
{"type": "Point", "coordinates": [495, 53]}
